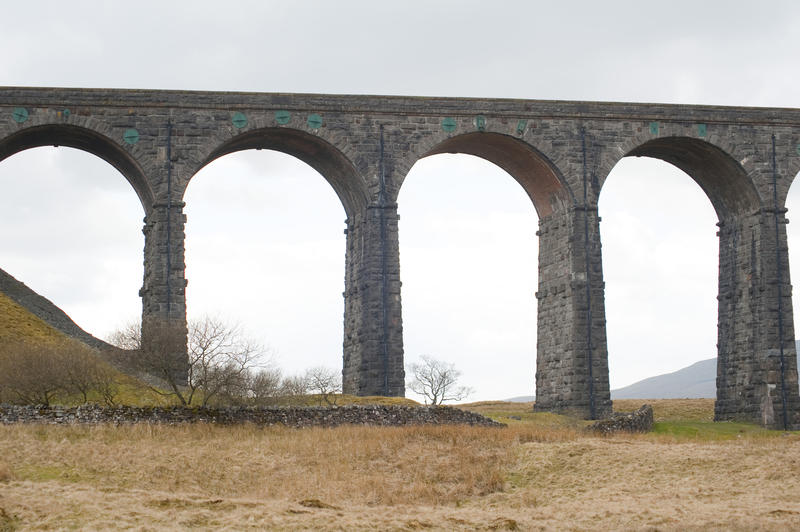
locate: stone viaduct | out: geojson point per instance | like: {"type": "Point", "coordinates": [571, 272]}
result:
{"type": "Point", "coordinates": [560, 152]}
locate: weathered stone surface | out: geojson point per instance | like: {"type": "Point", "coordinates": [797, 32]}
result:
{"type": "Point", "coordinates": [560, 152]}
{"type": "Point", "coordinates": [640, 420]}
{"type": "Point", "coordinates": [383, 415]}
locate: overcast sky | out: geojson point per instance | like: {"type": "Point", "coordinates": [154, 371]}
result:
{"type": "Point", "coordinates": [71, 225]}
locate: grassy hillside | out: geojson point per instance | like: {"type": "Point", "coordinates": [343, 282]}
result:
{"type": "Point", "coordinates": [17, 324]}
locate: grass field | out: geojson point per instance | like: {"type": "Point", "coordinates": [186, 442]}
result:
{"type": "Point", "coordinates": [539, 473]}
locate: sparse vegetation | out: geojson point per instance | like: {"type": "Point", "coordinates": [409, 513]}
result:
{"type": "Point", "coordinates": [437, 381]}
{"type": "Point", "coordinates": [211, 364]}
{"type": "Point", "coordinates": [325, 383]}
{"type": "Point", "coordinates": [40, 373]}
{"type": "Point", "coordinates": [541, 472]}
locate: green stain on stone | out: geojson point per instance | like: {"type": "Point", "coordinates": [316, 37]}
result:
{"type": "Point", "coordinates": [701, 130]}
{"type": "Point", "coordinates": [449, 125]}
{"type": "Point", "coordinates": [131, 136]}
{"type": "Point", "coordinates": [314, 121]}
{"type": "Point", "coordinates": [521, 125]}
{"type": "Point", "coordinates": [654, 128]}
{"type": "Point", "coordinates": [239, 120]}
{"type": "Point", "coordinates": [20, 114]}
{"type": "Point", "coordinates": [282, 117]}
{"type": "Point", "coordinates": [480, 122]}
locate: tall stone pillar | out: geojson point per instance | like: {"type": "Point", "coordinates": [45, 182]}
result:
{"type": "Point", "coordinates": [571, 351]}
{"type": "Point", "coordinates": [373, 334]}
{"type": "Point", "coordinates": [757, 360]}
{"type": "Point", "coordinates": [164, 290]}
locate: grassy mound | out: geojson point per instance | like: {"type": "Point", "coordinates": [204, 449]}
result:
{"type": "Point", "coordinates": [18, 324]}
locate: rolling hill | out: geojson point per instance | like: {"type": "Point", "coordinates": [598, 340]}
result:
{"type": "Point", "coordinates": [692, 382]}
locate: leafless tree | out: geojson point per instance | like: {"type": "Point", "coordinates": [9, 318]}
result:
{"type": "Point", "coordinates": [220, 359]}
{"type": "Point", "coordinates": [437, 381]}
{"type": "Point", "coordinates": [293, 385]}
{"type": "Point", "coordinates": [32, 373]}
{"type": "Point", "coordinates": [127, 337]}
{"type": "Point", "coordinates": [325, 382]}
{"type": "Point", "coordinates": [39, 373]}
{"type": "Point", "coordinates": [264, 386]}
{"type": "Point", "coordinates": [216, 366]}
{"type": "Point", "coordinates": [84, 372]}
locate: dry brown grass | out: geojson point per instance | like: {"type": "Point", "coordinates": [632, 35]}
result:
{"type": "Point", "coordinates": [663, 410]}
{"type": "Point", "coordinates": [5, 472]}
{"type": "Point", "coordinates": [358, 478]}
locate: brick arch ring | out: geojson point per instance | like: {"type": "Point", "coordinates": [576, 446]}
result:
{"type": "Point", "coordinates": [531, 168]}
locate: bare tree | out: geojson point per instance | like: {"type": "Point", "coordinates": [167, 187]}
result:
{"type": "Point", "coordinates": [437, 381]}
{"type": "Point", "coordinates": [160, 355]}
{"type": "Point", "coordinates": [40, 373]}
{"type": "Point", "coordinates": [84, 372]}
{"type": "Point", "coordinates": [293, 385]}
{"type": "Point", "coordinates": [219, 359]}
{"type": "Point", "coordinates": [264, 386]}
{"type": "Point", "coordinates": [34, 374]}
{"type": "Point", "coordinates": [325, 382]}
{"type": "Point", "coordinates": [216, 366]}
{"type": "Point", "coordinates": [127, 337]}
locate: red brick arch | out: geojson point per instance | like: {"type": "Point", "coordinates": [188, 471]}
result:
{"type": "Point", "coordinates": [533, 170]}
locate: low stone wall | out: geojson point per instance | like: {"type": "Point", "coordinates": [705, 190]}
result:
{"type": "Point", "coordinates": [640, 420]}
{"type": "Point", "coordinates": [288, 416]}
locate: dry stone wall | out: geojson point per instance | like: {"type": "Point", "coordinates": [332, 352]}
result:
{"type": "Point", "coordinates": [640, 420]}
{"type": "Point", "coordinates": [380, 415]}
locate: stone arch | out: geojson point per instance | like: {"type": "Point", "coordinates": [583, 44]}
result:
{"type": "Point", "coordinates": [534, 171]}
{"type": "Point", "coordinates": [318, 153]}
{"type": "Point", "coordinates": [793, 172]}
{"type": "Point", "coordinates": [724, 179]}
{"type": "Point", "coordinates": [84, 139]}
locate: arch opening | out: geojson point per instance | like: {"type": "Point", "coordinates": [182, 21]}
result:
{"type": "Point", "coordinates": [468, 255]}
{"type": "Point", "coordinates": [317, 153]}
{"type": "Point", "coordinates": [530, 168]}
{"type": "Point", "coordinates": [86, 140]}
{"type": "Point", "coordinates": [793, 239]}
{"type": "Point", "coordinates": [719, 175]}
{"type": "Point", "coordinates": [265, 249]}
{"type": "Point", "coordinates": [660, 266]}
{"type": "Point", "coordinates": [72, 233]}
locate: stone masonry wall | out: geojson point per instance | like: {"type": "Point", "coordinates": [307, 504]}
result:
{"type": "Point", "coordinates": [299, 417]}
{"type": "Point", "coordinates": [560, 152]}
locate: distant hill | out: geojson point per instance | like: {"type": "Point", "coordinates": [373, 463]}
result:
{"type": "Point", "coordinates": [693, 382]}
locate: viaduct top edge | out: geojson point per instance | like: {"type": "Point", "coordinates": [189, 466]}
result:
{"type": "Point", "coordinates": [393, 104]}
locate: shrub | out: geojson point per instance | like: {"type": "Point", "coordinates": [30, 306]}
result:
{"type": "Point", "coordinates": [40, 373]}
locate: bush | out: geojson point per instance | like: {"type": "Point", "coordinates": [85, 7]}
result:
{"type": "Point", "coordinates": [41, 373]}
